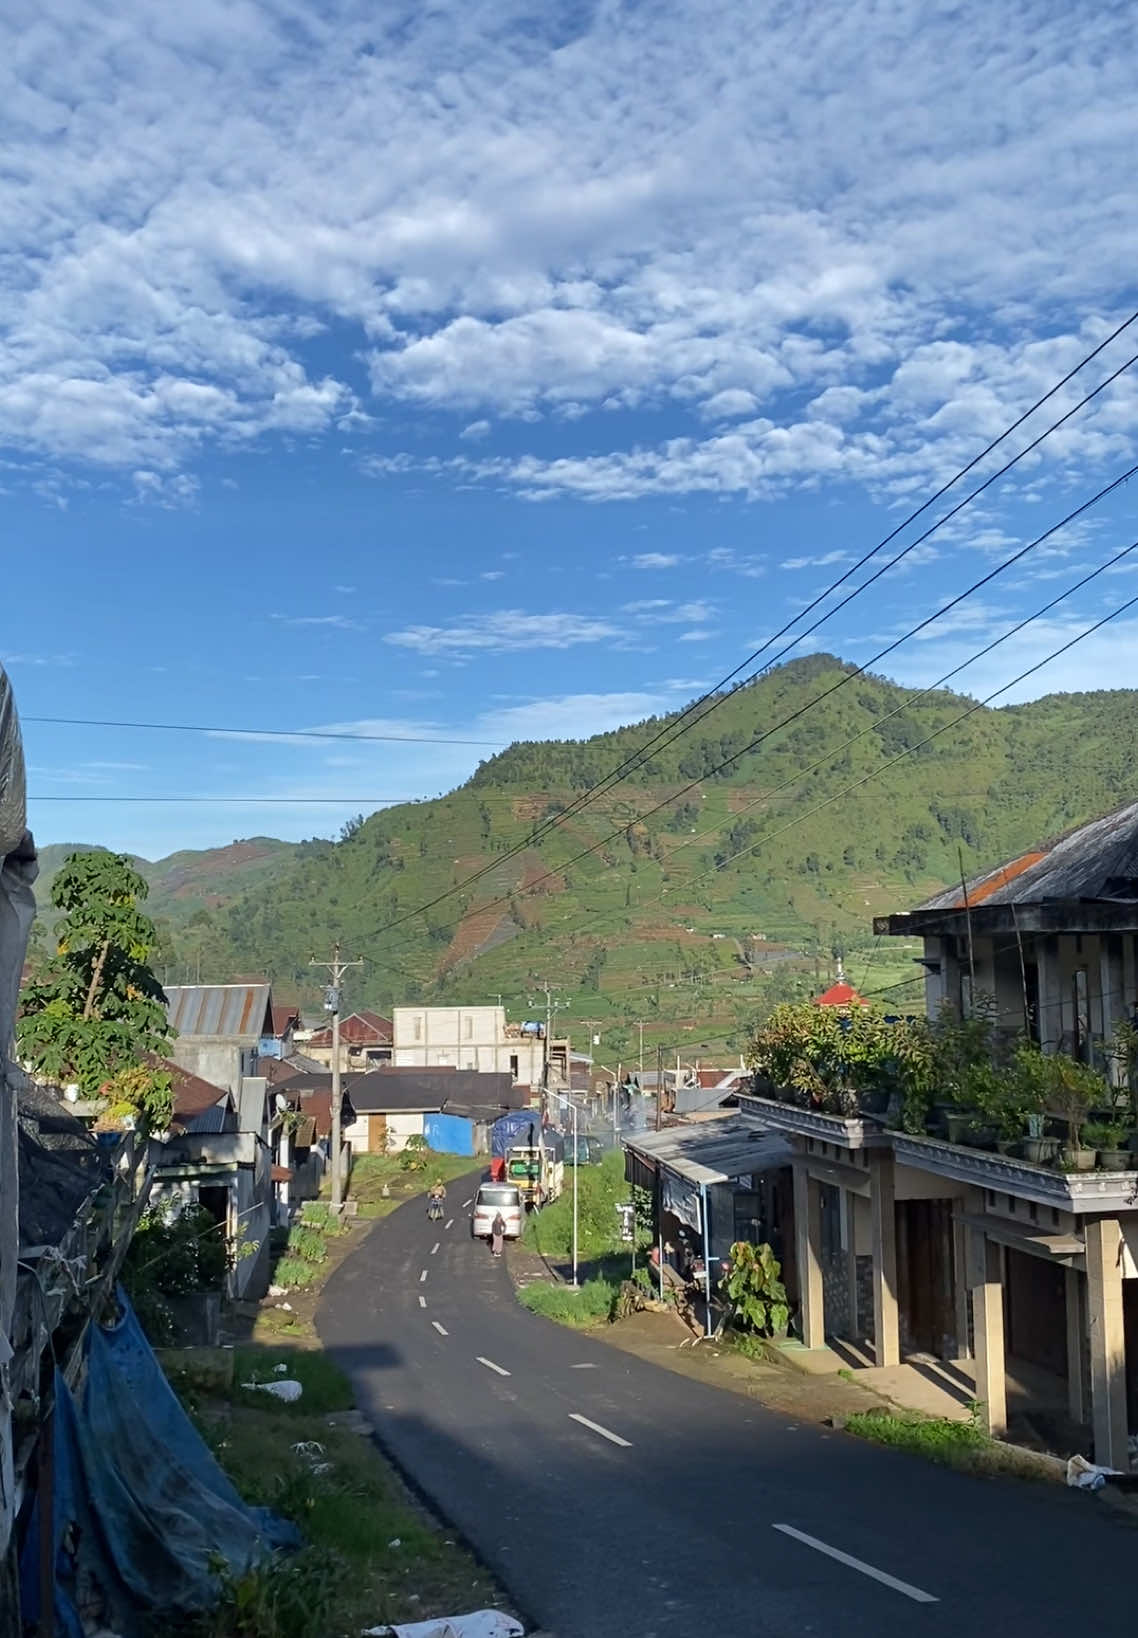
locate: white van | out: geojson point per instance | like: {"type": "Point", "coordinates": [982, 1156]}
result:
{"type": "Point", "coordinates": [491, 1199]}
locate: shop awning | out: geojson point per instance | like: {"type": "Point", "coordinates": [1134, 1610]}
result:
{"type": "Point", "coordinates": [711, 1152]}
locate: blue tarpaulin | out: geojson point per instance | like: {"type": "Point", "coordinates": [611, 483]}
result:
{"type": "Point", "coordinates": [449, 1134]}
{"type": "Point", "coordinates": [143, 1514]}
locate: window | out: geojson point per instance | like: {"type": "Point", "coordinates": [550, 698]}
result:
{"type": "Point", "coordinates": [1082, 1016]}
{"type": "Point", "coordinates": [514, 1065]}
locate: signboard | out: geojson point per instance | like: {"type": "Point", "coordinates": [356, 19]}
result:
{"type": "Point", "coordinates": [627, 1220]}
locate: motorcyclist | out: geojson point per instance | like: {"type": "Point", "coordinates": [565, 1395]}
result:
{"type": "Point", "coordinates": [436, 1198]}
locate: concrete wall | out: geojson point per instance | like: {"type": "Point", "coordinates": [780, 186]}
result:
{"type": "Point", "coordinates": [464, 1038]}
{"type": "Point", "coordinates": [219, 1062]}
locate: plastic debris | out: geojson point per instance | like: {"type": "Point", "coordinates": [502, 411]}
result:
{"type": "Point", "coordinates": [1084, 1475]}
{"type": "Point", "coordinates": [479, 1624]}
{"type": "Point", "coordinates": [286, 1389]}
{"type": "Point", "coordinates": [280, 1370]}
{"type": "Point", "coordinates": [309, 1448]}
{"type": "Point", "coordinates": [395, 1543]}
{"type": "Point", "coordinates": [278, 1291]}
{"type": "Point", "coordinates": [287, 1305]}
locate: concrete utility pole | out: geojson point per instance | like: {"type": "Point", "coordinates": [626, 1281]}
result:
{"type": "Point", "coordinates": [640, 1027]}
{"type": "Point", "coordinates": [659, 1085]}
{"type": "Point", "coordinates": [336, 968]}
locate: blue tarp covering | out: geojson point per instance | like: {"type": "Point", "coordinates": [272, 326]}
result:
{"type": "Point", "coordinates": [449, 1134]}
{"type": "Point", "coordinates": [142, 1509]}
{"type": "Point", "coordinates": [522, 1128]}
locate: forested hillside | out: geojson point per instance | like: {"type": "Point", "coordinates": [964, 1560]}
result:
{"type": "Point", "coordinates": [733, 893]}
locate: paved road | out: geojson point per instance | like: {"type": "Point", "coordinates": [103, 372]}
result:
{"type": "Point", "coordinates": [618, 1500]}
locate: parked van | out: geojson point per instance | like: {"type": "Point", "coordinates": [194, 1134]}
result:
{"type": "Point", "coordinates": [491, 1199]}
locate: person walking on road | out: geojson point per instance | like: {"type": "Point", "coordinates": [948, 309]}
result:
{"type": "Point", "coordinates": [497, 1234]}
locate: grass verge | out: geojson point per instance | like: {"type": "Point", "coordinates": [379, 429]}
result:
{"type": "Point", "coordinates": [371, 1172]}
{"type": "Point", "coordinates": [590, 1305]}
{"type": "Point", "coordinates": [962, 1445]}
{"type": "Point", "coordinates": [371, 1555]}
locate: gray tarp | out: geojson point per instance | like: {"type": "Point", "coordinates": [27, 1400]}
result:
{"type": "Point", "coordinates": [17, 911]}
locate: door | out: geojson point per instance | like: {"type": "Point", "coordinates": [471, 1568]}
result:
{"type": "Point", "coordinates": [1036, 1300]}
{"type": "Point", "coordinates": [377, 1134]}
{"type": "Point", "coordinates": [926, 1277]}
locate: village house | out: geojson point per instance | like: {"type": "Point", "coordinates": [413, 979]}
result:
{"type": "Point", "coordinates": [1005, 1279]}
{"type": "Point", "coordinates": [365, 1042]}
{"type": "Point", "coordinates": [450, 1109]}
{"type": "Point", "coordinates": [474, 1038]}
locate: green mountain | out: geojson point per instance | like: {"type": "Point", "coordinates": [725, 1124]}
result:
{"type": "Point", "coordinates": [185, 884]}
{"type": "Point", "coordinates": [678, 919]}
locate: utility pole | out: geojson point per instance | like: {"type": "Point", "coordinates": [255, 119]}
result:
{"type": "Point", "coordinates": [659, 1084]}
{"type": "Point", "coordinates": [640, 1027]}
{"type": "Point", "coordinates": [336, 968]}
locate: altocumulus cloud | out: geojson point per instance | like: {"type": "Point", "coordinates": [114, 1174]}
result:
{"type": "Point", "coordinates": [785, 221]}
{"type": "Point", "coordinates": [507, 631]}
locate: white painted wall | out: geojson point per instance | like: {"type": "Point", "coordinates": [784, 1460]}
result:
{"type": "Point", "coordinates": [464, 1038]}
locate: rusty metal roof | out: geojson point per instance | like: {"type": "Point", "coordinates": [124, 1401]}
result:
{"type": "Point", "coordinates": [241, 1013]}
{"type": "Point", "coordinates": [1095, 861]}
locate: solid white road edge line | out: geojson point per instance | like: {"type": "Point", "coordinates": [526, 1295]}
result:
{"type": "Point", "coordinates": [422, 1276]}
{"type": "Point", "coordinates": [605, 1433]}
{"type": "Point", "coordinates": [858, 1564]}
{"type": "Point", "coordinates": [490, 1365]}
{"type": "Point", "coordinates": [441, 1329]}
{"type": "Point", "coordinates": [422, 1302]}
{"type": "Point", "coordinates": [435, 1247]}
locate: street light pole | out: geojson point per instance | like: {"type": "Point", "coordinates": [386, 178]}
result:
{"type": "Point", "coordinates": [332, 1000]}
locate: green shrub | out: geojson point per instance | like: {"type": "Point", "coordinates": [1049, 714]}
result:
{"type": "Point", "coordinates": [306, 1243]}
{"type": "Point", "coordinates": [293, 1271]}
{"type": "Point", "coordinates": [954, 1444]}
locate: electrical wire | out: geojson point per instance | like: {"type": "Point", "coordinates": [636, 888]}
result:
{"type": "Point", "coordinates": [713, 697]}
{"type": "Point", "coordinates": [265, 733]}
{"type": "Point", "coordinates": [843, 681]}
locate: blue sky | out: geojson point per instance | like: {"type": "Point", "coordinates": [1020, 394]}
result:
{"type": "Point", "coordinates": [508, 370]}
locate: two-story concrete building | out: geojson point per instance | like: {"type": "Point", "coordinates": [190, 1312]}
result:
{"type": "Point", "coordinates": [468, 1038]}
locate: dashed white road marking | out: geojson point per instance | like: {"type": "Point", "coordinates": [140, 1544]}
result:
{"type": "Point", "coordinates": [435, 1247]}
{"type": "Point", "coordinates": [441, 1329]}
{"type": "Point", "coordinates": [605, 1433]}
{"type": "Point", "coordinates": [905, 1587]}
{"type": "Point", "coordinates": [490, 1365]}
{"type": "Point", "coordinates": [589, 1367]}
{"type": "Point", "coordinates": [449, 1223]}
{"type": "Point", "coordinates": [466, 1203]}
{"type": "Point", "coordinates": [422, 1302]}
{"type": "Point", "coordinates": [422, 1276]}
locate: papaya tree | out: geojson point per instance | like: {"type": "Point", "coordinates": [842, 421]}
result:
{"type": "Point", "coordinates": [94, 1010]}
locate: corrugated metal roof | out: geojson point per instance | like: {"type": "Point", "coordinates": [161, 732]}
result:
{"type": "Point", "coordinates": [1098, 860]}
{"type": "Point", "coordinates": [713, 1151]}
{"type": "Point", "coordinates": [241, 1013]}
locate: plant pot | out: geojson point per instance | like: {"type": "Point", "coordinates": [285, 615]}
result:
{"type": "Point", "coordinates": [872, 1103]}
{"type": "Point", "coordinates": [1116, 1160]}
{"type": "Point", "coordinates": [1078, 1160]}
{"type": "Point", "coordinates": [957, 1126]}
{"type": "Point", "coordinates": [1009, 1146]}
{"type": "Point", "coordinates": [1039, 1150]}
{"type": "Point", "coordinates": [980, 1137]}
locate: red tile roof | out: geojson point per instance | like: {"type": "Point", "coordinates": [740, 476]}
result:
{"type": "Point", "coordinates": [840, 995]}
{"type": "Point", "coordinates": [283, 1019]}
{"type": "Point", "coordinates": [357, 1029]}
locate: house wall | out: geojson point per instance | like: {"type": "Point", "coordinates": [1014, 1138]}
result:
{"type": "Point", "coordinates": [464, 1038]}
{"type": "Point", "coordinates": [222, 1063]}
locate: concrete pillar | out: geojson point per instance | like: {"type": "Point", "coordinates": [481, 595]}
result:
{"type": "Point", "coordinates": [808, 1255]}
{"type": "Point", "coordinates": [960, 1282]}
{"type": "Point", "coordinates": [1108, 1345]}
{"type": "Point", "coordinates": [849, 1244]}
{"type": "Point", "coordinates": [1076, 1388]}
{"type": "Point", "coordinates": [984, 1277]}
{"type": "Point", "coordinates": [1050, 994]}
{"type": "Point", "coordinates": [887, 1334]}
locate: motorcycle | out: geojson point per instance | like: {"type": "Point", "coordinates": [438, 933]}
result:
{"type": "Point", "coordinates": [434, 1209]}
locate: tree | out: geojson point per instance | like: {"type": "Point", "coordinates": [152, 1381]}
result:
{"type": "Point", "coordinates": [95, 1008]}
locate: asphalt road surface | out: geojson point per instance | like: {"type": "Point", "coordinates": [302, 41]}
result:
{"type": "Point", "coordinates": [618, 1500]}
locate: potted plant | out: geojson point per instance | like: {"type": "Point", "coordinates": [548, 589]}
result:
{"type": "Point", "coordinates": [1123, 1055]}
{"type": "Point", "coordinates": [1075, 1090]}
{"type": "Point", "coordinates": [1109, 1137]}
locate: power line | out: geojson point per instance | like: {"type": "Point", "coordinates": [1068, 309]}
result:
{"type": "Point", "coordinates": [843, 681]}
{"type": "Point", "coordinates": [912, 700]}
{"type": "Point", "coordinates": [713, 697]}
{"type": "Point", "coordinates": [910, 750]}
{"type": "Point", "coordinates": [265, 733]}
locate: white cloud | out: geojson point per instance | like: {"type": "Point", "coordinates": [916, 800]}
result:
{"type": "Point", "coordinates": [656, 560]}
{"type": "Point", "coordinates": [334, 622]}
{"type": "Point", "coordinates": [865, 270]}
{"type": "Point", "coordinates": [475, 431]}
{"type": "Point", "coordinates": [823, 560]}
{"type": "Point", "coordinates": [507, 631]}
{"type": "Point", "coordinates": [492, 574]}
{"type": "Point", "coordinates": [571, 716]}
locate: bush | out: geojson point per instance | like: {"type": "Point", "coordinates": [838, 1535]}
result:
{"type": "Point", "coordinates": [306, 1243]}
{"type": "Point", "coordinates": [416, 1154]}
{"type": "Point", "coordinates": [293, 1271]}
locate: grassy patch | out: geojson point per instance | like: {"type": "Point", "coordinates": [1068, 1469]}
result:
{"type": "Point", "coordinates": [293, 1272]}
{"type": "Point", "coordinates": [600, 1189]}
{"type": "Point", "coordinates": [591, 1305]}
{"type": "Point", "coordinates": [306, 1242]}
{"type": "Point", "coordinates": [962, 1445]}
{"type": "Point", "coordinates": [371, 1556]}
{"type": "Point", "coordinates": [371, 1172]}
